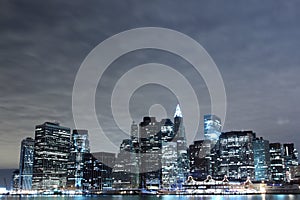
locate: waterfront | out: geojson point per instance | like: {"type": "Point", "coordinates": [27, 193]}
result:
{"type": "Point", "coordinates": [160, 197]}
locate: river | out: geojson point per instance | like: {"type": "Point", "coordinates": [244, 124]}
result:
{"type": "Point", "coordinates": [158, 197]}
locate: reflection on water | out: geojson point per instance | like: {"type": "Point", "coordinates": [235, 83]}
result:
{"type": "Point", "coordinates": [158, 197]}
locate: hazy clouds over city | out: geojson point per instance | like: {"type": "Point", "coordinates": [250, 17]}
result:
{"type": "Point", "coordinates": [255, 45]}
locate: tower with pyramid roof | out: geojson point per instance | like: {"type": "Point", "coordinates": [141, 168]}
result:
{"type": "Point", "coordinates": [182, 150]}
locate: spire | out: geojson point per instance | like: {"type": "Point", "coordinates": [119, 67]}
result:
{"type": "Point", "coordinates": [178, 112]}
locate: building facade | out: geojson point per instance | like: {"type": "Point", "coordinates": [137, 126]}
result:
{"type": "Point", "coordinates": [235, 155]}
{"type": "Point", "coordinates": [79, 147]}
{"type": "Point", "coordinates": [26, 164]}
{"type": "Point", "coordinates": [261, 151]}
{"type": "Point", "coordinates": [290, 155]}
{"type": "Point", "coordinates": [276, 162]}
{"type": "Point", "coordinates": [200, 155]}
{"type": "Point", "coordinates": [212, 128]}
{"type": "Point", "coordinates": [150, 153]}
{"type": "Point", "coordinates": [51, 156]}
{"type": "Point", "coordinates": [97, 172]}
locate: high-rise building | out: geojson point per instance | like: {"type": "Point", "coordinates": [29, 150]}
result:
{"type": "Point", "coordinates": [235, 155]}
{"type": "Point", "coordinates": [212, 132]}
{"type": "Point", "coordinates": [97, 172]}
{"type": "Point", "coordinates": [182, 149]}
{"type": "Point", "coordinates": [51, 156]}
{"type": "Point", "coordinates": [199, 159]}
{"type": "Point", "coordinates": [169, 155]}
{"type": "Point", "coordinates": [79, 147]}
{"type": "Point", "coordinates": [212, 128]}
{"type": "Point", "coordinates": [126, 168]}
{"type": "Point", "coordinates": [15, 180]}
{"type": "Point", "coordinates": [122, 171]}
{"type": "Point", "coordinates": [150, 153]}
{"type": "Point", "coordinates": [261, 151]}
{"type": "Point", "coordinates": [135, 156]}
{"type": "Point", "coordinates": [276, 162]}
{"type": "Point", "coordinates": [26, 164]}
{"type": "Point", "coordinates": [290, 155]}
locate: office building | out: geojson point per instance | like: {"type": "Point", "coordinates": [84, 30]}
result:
{"type": "Point", "coordinates": [290, 155]}
{"type": "Point", "coordinates": [276, 162]}
{"type": "Point", "coordinates": [150, 153]}
{"type": "Point", "coordinates": [79, 147]}
{"type": "Point", "coordinates": [182, 149]}
{"type": "Point", "coordinates": [51, 156]}
{"type": "Point", "coordinates": [212, 128]}
{"type": "Point", "coordinates": [235, 155]}
{"type": "Point", "coordinates": [97, 171]}
{"type": "Point", "coordinates": [261, 151]}
{"type": "Point", "coordinates": [26, 164]}
{"type": "Point", "coordinates": [200, 159]}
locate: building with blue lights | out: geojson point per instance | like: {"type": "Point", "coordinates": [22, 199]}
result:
{"type": "Point", "coordinates": [79, 147]}
{"type": "Point", "coordinates": [26, 164]}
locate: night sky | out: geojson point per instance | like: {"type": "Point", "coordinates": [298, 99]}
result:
{"type": "Point", "coordinates": [255, 45]}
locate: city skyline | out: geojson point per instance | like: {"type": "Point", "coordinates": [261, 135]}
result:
{"type": "Point", "coordinates": [254, 45]}
{"type": "Point", "coordinates": [155, 156]}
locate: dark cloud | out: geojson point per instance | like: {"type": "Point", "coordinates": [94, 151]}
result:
{"type": "Point", "coordinates": [255, 45]}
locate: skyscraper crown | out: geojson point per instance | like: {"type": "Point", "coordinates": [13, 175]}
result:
{"type": "Point", "coordinates": [178, 112]}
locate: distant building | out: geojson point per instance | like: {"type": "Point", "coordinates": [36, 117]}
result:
{"type": "Point", "coordinates": [26, 164]}
{"type": "Point", "coordinates": [97, 171]}
{"type": "Point", "coordinates": [79, 147]}
{"type": "Point", "coordinates": [51, 156]}
{"type": "Point", "coordinates": [15, 180]}
{"type": "Point", "coordinates": [212, 128]}
{"type": "Point", "coordinates": [182, 148]}
{"type": "Point", "coordinates": [163, 152]}
{"type": "Point", "coordinates": [212, 132]}
{"type": "Point", "coordinates": [150, 153]}
{"type": "Point", "coordinates": [290, 155]}
{"type": "Point", "coordinates": [126, 168]}
{"type": "Point", "coordinates": [277, 162]}
{"type": "Point", "coordinates": [199, 159]}
{"type": "Point", "coordinates": [261, 159]}
{"type": "Point", "coordinates": [123, 168]}
{"type": "Point", "coordinates": [235, 155]}
{"type": "Point", "coordinates": [169, 155]}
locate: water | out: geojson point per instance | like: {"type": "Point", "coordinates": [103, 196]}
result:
{"type": "Point", "coordinates": [157, 197]}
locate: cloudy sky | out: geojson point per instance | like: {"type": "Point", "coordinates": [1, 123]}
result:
{"type": "Point", "coordinates": [255, 45]}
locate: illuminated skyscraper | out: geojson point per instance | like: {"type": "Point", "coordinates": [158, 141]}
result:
{"type": "Point", "coordinates": [199, 159]}
{"type": "Point", "coordinates": [182, 153]}
{"type": "Point", "coordinates": [212, 128]}
{"type": "Point", "coordinates": [26, 164]}
{"type": "Point", "coordinates": [51, 156]}
{"type": "Point", "coordinates": [97, 171]}
{"type": "Point", "coordinates": [79, 146]}
{"type": "Point", "coordinates": [261, 151]}
{"type": "Point", "coordinates": [290, 155]}
{"type": "Point", "coordinates": [277, 162]}
{"type": "Point", "coordinates": [169, 155]}
{"type": "Point", "coordinates": [150, 153]}
{"type": "Point", "coordinates": [235, 155]}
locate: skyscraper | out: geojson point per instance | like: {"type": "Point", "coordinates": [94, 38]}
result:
{"type": "Point", "coordinates": [212, 128]}
{"type": "Point", "coordinates": [97, 172]}
{"type": "Point", "coordinates": [199, 159]}
{"type": "Point", "coordinates": [169, 155]}
{"type": "Point", "coordinates": [79, 146]}
{"type": "Point", "coordinates": [235, 155]}
{"type": "Point", "coordinates": [26, 164]}
{"type": "Point", "coordinates": [51, 156]}
{"type": "Point", "coordinates": [150, 153]}
{"type": "Point", "coordinates": [182, 153]}
{"type": "Point", "coordinates": [261, 151]}
{"type": "Point", "coordinates": [290, 155]}
{"type": "Point", "coordinates": [276, 162]}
